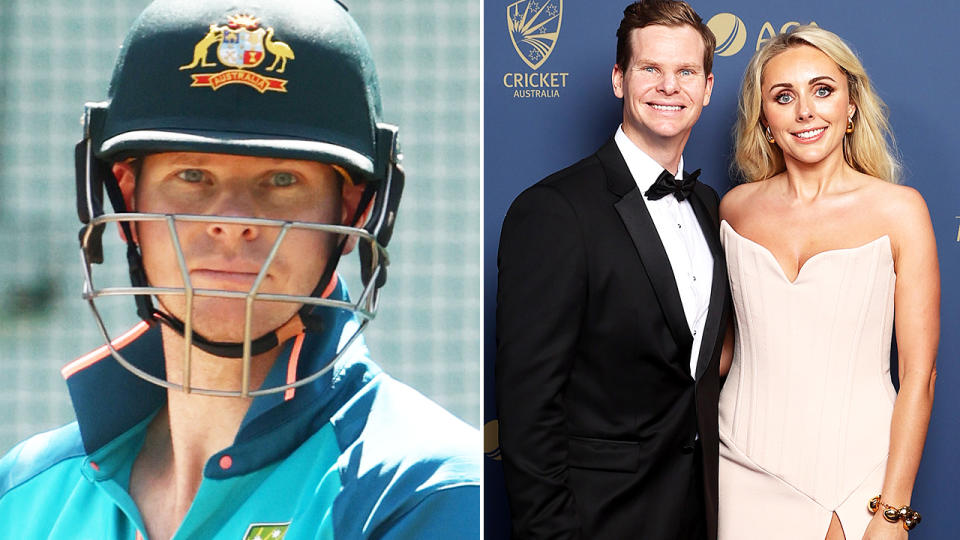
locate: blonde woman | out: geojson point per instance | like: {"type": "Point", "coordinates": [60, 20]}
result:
{"type": "Point", "coordinates": [825, 253]}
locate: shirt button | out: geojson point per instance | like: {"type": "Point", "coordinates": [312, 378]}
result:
{"type": "Point", "coordinates": [694, 333]}
{"type": "Point", "coordinates": [226, 462]}
{"type": "Point", "coordinates": [679, 226]}
{"type": "Point", "coordinates": [694, 278]}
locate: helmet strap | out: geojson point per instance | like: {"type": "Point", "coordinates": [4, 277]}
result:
{"type": "Point", "coordinates": [227, 349]}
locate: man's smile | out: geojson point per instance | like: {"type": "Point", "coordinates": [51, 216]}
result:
{"type": "Point", "coordinates": [666, 108]}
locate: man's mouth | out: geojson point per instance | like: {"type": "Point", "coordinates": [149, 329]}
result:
{"type": "Point", "coordinates": [666, 108]}
{"type": "Point", "coordinates": [226, 279]}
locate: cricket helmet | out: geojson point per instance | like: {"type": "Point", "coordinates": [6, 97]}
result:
{"type": "Point", "coordinates": [292, 79]}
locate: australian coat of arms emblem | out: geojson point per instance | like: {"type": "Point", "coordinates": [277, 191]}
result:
{"type": "Point", "coordinates": [242, 44]}
{"type": "Point", "coordinates": [534, 26]}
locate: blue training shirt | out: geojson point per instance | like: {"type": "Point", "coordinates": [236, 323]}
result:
{"type": "Point", "coordinates": [353, 455]}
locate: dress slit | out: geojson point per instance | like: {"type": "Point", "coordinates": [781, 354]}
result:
{"type": "Point", "coordinates": [836, 535]}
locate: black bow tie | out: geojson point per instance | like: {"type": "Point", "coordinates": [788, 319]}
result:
{"type": "Point", "coordinates": [666, 184]}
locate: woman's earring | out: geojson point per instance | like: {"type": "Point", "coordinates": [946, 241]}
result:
{"type": "Point", "coordinates": [850, 125]}
{"type": "Point", "coordinates": [771, 140]}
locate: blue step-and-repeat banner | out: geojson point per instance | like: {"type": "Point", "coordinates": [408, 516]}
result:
{"type": "Point", "coordinates": [546, 108]}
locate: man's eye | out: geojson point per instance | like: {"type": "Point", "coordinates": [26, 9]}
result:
{"type": "Point", "coordinates": [283, 179]}
{"type": "Point", "coordinates": [650, 69]}
{"type": "Point", "coordinates": [686, 72]}
{"type": "Point", "coordinates": [191, 175]}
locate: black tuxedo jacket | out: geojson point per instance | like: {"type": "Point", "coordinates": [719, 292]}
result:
{"type": "Point", "coordinates": [599, 414]}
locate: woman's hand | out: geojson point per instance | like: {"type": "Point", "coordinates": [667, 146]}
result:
{"type": "Point", "coordinates": [881, 529]}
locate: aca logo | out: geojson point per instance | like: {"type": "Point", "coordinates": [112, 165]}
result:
{"type": "Point", "coordinates": [731, 32]}
{"type": "Point", "coordinates": [534, 27]}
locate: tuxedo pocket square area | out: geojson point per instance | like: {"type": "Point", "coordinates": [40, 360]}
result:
{"type": "Point", "coordinates": [603, 454]}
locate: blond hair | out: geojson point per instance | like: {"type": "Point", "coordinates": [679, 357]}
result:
{"type": "Point", "coordinates": [870, 149]}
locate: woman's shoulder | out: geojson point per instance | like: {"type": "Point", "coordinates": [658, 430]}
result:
{"type": "Point", "coordinates": [895, 210]}
{"type": "Point", "coordinates": [739, 198]}
{"type": "Point", "coordinates": [895, 201]}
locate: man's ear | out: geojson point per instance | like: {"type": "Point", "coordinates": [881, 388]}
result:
{"type": "Point", "coordinates": [126, 177]}
{"type": "Point", "coordinates": [616, 79]}
{"type": "Point", "coordinates": [351, 195]}
{"type": "Point", "coordinates": [708, 91]}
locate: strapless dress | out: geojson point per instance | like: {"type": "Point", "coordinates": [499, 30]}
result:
{"type": "Point", "coordinates": [806, 407]}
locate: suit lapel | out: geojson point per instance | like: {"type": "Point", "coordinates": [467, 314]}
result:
{"type": "Point", "coordinates": [636, 218]}
{"type": "Point", "coordinates": [718, 291]}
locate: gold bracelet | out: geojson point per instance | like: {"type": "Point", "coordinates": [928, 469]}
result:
{"type": "Point", "coordinates": [907, 515]}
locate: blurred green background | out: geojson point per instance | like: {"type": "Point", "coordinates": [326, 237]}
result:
{"type": "Point", "coordinates": [57, 54]}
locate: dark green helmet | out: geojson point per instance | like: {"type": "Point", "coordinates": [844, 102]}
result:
{"type": "Point", "coordinates": [291, 79]}
{"type": "Point", "coordinates": [285, 79]}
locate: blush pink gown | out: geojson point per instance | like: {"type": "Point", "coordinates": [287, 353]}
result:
{"type": "Point", "coordinates": [805, 411]}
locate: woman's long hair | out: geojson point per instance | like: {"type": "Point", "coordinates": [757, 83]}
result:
{"type": "Point", "coordinates": [870, 149]}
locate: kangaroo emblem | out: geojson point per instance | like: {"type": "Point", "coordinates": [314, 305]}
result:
{"type": "Point", "coordinates": [279, 49]}
{"type": "Point", "coordinates": [241, 46]}
{"type": "Point", "coordinates": [203, 46]}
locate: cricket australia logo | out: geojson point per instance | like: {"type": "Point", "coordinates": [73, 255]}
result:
{"type": "Point", "coordinates": [534, 26]}
{"type": "Point", "coordinates": [266, 531]}
{"type": "Point", "coordinates": [242, 44]}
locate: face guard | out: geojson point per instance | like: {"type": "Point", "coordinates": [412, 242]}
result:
{"type": "Point", "coordinates": [332, 121]}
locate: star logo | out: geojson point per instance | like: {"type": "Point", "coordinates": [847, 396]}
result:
{"type": "Point", "coordinates": [534, 27]}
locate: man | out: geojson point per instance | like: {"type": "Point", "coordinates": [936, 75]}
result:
{"type": "Point", "coordinates": [611, 299]}
{"type": "Point", "coordinates": [243, 406]}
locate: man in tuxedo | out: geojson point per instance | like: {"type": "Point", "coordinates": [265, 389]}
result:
{"type": "Point", "coordinates": [611, 301]}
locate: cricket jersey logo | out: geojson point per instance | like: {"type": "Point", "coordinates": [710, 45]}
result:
{"type": "Point", "coordinates": [266, 531]}
{"type": "Point", "coordinates": [242, 44]}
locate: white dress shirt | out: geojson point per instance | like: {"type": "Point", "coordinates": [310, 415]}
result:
{"type": "Point", "coordinates": [680, 233]}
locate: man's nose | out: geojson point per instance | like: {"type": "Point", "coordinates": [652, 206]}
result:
{"type": "Point", "coordinates": [238, 204]}
{"type": "Point", "coordinates": [668, 83]}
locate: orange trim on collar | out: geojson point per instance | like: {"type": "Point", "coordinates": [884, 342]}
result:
{"type": "Point", "coordinates": [292, 366]}
{"type": "Point", "coordinates": [103, 351]}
